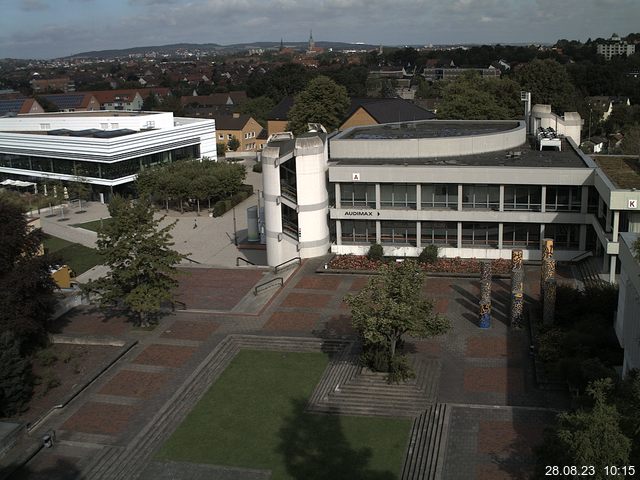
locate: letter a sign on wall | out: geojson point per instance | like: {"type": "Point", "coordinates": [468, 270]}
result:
{"type": "Point", "coordinates": [355, 177]}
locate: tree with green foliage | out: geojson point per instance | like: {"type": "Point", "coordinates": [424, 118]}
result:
{"type": "Point", "coordinates": [323, 101]}
{"type": "Point", "coordinates": [27, 298]}
{"type": "Point", "coordinates": [258, 108]}
{"type": "Point", "coordinates": [588, 436]}
{"type": "Point", "coordinates": [16, 381]}
{"type": "Point", "coordinates": [392, 305]}
{"type": "Point", "coordinates": [283, 81]}
{"type": "Point", "coordinates": [550, 84]}
{"type": "Point", "coordinates": [142, 264]}
{"type": "Point", "coordinates": [628, 403]}
{"type": "Point", "coordinates": [631, 141]}
{"type": "Point", "coordinates": [472, 97]}
{"type": "Point", "coordinates": [233, 144]}
{"type": "Point", "coordinates": [150, 103]}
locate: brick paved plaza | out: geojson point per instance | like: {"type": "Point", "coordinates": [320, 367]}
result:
{"type": "Point", "coordinates": [486, 376]}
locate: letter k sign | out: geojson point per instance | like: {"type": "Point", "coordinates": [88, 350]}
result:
{"type": "Point", "coordinates": [632, 203]}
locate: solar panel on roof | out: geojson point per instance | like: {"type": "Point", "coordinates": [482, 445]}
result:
{"type": "Point", "coordinates": [9, 106]}
{"type": "Point", "coordinates": [66, 101]}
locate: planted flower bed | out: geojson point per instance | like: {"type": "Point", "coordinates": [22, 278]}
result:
{"type": "Point", "coordinates": [441, 265]}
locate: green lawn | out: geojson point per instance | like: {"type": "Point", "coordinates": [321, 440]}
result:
{"type": "Point", "coordinates": [78, 257]}
{"type": "Point", "coordinates": [254, 417]}
{"type": "Point", "coordinates": [93, 225]}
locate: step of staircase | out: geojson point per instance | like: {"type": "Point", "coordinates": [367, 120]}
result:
{"type": "Point", "coordinates": [424, 457]}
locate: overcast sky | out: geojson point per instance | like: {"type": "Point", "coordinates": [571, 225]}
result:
{"type": "Point", "coordinates": [54, 28]}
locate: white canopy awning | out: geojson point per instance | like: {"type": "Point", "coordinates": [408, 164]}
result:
{"type": "Point", "coordinates": [17, 183]}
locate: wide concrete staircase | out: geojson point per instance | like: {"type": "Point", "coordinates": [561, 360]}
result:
{"type": "Point", "coordinates": [349, 389]}
{"type": "Point", "coordinates": [425, 454]}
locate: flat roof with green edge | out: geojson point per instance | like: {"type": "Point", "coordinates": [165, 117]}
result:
{"type": "Point", "coordinates": [624, 172]}
{"type": "Point", "coordinates": [254, 416]}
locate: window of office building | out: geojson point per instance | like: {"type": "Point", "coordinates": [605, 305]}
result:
{"type": "Point", "coordinates": [358, 231]}
{"type": "Point", "coordinates": [443, 195]}
{"type": "Point", "coordinates": [398, 195]}
{"type": "Point", "coordinates": [526, 235]}
{"type": "Point", "coordinates": [358, 195]}
{"type": "Point", "coordinates": [523, 197]}
{"type": "Point", "coordinates": [480, 235]}
{"type": "Point", "coordinates": [482, 197]}
{"type": "Point", "coordinates": [566, 199]}
{"type": "Point", "coordinates": [288, 180]}
{"type": "Point", "coordinates": [443, 234]}
{"type": "Point", "coordinates": [565, 236]}
{"type": "Point", "coordinates": [398, 232]}
{"type": "Point", "coordinates": [289, 221]}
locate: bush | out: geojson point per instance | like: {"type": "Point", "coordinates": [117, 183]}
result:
{"type": "Point", "coordinates": [376, 252]}
{"type": "Point", "coordinates": [375, 358]}
{"type": "Point", "coordinates": [219, 208]}
{"type": "Point", "coordinates": [246, 188]}
{"type": "Point", "coordinates": [16, 381]}
{"type": "Point", "coordinates": [400, 370]}
{"type": "Point", "coordinates": [257, 167]}
{"type": "Point", "coordinates": [429, 254]}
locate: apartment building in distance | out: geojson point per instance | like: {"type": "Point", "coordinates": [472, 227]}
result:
{"type": "Point", "coordinates": [615, 46]}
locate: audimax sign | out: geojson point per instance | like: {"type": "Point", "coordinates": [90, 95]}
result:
{"type": "Point", "coordinates": [361, 213]}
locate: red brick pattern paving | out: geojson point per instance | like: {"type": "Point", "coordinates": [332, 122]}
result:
{"type": "Point", "coordinates": [100, 418]}
{"type": "Point", "coordinates": [437, 286]}
{"type": "Point", "coordinates": [215, 289]}
{"type": "Point", "coordinates": [494, 379]}
{"type": "Point", "coordinates": [292, 321]}
{"type": "Point", "coordinates": [307, 300]}
{"type": "Point", "coordinates": [190, 330]}
{"type": "Point", "coordinates": [129, 383]}
{"type": "Point", "coordinates": [340, 325]}
{"type": "Point", "coordinates": [320, 282]}
{"type": "Point", "coordinates": [93, 322]}
{"type": "Point", "coordinates": [508, 439]}
{"type": "Point", "coordinates": [442, 305]}
{"type": "Point", "coordinates": [165, 355]}
{"type": "Point", "coordinates": [494, 347]}
{"type": "Point", "coordinates": [359, 283]}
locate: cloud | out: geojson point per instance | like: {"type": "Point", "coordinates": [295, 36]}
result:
{"type": "Point", "coordinates": [33, 5]}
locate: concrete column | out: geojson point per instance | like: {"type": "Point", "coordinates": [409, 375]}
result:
{"type": "Point", "coordinates": [500, 232]}
{"type": "Point", "coordinates": [337, 193]}
{"type": "Point", "coordinates": [605, 263]}
{"type": "Point", "coordinates": [459, 197]}
{"type": "Point", "coordinates": [418, 234]}
{"type": "Point", "coordinates": [582, 241]}
{"type": "Point", "coordinates": [338, 232]}
{"type": "Point", "coordinates": [612, 270]}
{"type": "Point", "coordinates": [501, 207]}
{"type": "Point", "coordinates": [459, 234]}
{"type": "Point", "coordinates": [584, 201]}
{"type": "Point", "coordinates": [418, 197]}
{"type": "Point", "coordinates": [607, 222]}
{"type": "Point", "coordinates": [600, 207]}
{"type": "Point", "coordinates": [378, 231]}
{"type": "Point", "coordinates": [541, 236]}
{"type": "Point", "coordinates": [378, 200]}
{"type": "Point", "coordinates": [543, 200]}
{"type": "Point", "coordinates": [616, 224]}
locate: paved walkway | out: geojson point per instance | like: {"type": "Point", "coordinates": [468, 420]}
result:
{"type": "Point", "coordinates": [484, 376]}
{"type": "Point", "coordinates": [210, 243]}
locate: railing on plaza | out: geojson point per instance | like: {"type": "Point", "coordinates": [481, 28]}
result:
{"type": "Point", "coordinates": [287, 264]}
{"type": "Point", "coordinates": [247, 262]}
{"type": "Point", "coordinates": [274, 282]}
{"type": "Point", "coordinates": [582, 256]}
{"type": "Point", "coordinates": [193, 261]}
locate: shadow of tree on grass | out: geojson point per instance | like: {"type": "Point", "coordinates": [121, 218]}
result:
{"type": "Point", "coordinates": [315, 448]}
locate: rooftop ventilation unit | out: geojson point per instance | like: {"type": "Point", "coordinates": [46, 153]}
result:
{"type": "Point", "coordinates": [548, 138]}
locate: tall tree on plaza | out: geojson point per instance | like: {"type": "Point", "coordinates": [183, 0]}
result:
{"type": "Point", "coordinates": [549, 83]}
{"type": "Point", "coordinates": [392, 305]}
{"type": "Point", "coordinates": [142, 264]}
{"type": "Point", "coordinates": [26, 288]}
{"type": "Point", "coordinates": [323, 101]}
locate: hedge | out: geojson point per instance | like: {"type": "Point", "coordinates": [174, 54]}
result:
{"type": "Point", "coordinates": [223, 206]}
